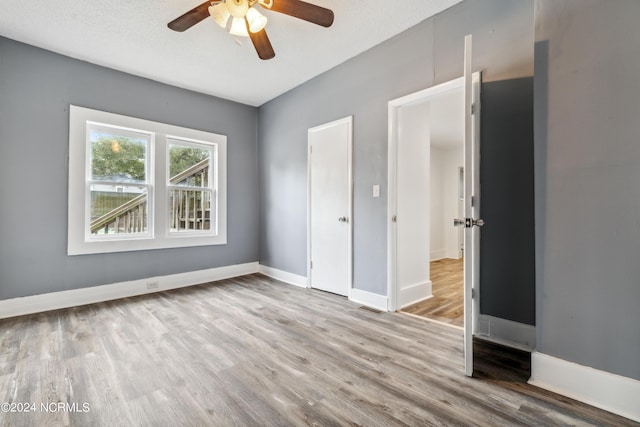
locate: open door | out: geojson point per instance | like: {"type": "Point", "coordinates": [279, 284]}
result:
{"type": "Point", "coordinates": [471, 221]}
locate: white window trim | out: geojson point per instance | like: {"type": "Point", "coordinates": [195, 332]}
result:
{"type": "Point", "coordinates": [160, 238]}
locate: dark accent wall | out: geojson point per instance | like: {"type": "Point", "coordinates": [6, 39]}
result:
{"type": "Point", "coordinates": [427, 54]}
{"type": "Point", "coordinates": [36, 88]}
{"type": "Point", "coordinates": [587, 187]}
{"type": "Point", "coordinates": [507, 244]}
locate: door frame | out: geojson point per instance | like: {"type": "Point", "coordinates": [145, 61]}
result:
{"type": "Point", "coordinates": [392, 201]}
{"type": "Point", "coordinates": [349, 121]}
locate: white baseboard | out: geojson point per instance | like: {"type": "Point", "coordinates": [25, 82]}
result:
{"type": "Point", "coordinates": [75, 297]}
{"type": "Point", "coordinates": [437, 254]}
{"type": "Point", "coordinates": [453, 254]}
{"type": "Point", "coordinates": [415, 293]}
{"type": "Point", "coordinates": [507, 332]}
{"type": "Point", "coordinates": [611, 392]}
{"type": "Point", "coordinates": [369, 299]}
{"type": "Point", "coordinates": [283, 276]}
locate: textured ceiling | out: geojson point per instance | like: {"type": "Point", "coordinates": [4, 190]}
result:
{"type": "Point", "coordinates": [132, 36]}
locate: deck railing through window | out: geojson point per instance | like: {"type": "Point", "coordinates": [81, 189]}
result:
{"type": "Point", "coordinates": [189, 201]}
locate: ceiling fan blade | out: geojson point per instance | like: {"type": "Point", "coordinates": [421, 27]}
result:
{"type": "Point", "coordinates": [303, 10]}
{"type": "Point", "coordinates": [190, 18]}
{"type": "Point", "coordinates": [262, 43]}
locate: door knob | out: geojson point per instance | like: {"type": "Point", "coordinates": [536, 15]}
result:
{"type": "Point", "coordinates": [343, 219]}
{"type": "Point", "coordinates": [458, 222]}
{"type": "Point", "coordinates": [468, 222]}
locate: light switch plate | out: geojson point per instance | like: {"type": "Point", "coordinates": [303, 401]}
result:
{"type": "Point", "coordinates": [376, 190]}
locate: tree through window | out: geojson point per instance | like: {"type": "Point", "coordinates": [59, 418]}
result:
{"type": "Point", "coordinates": [118, 183]}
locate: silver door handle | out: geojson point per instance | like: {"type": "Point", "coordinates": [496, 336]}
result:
{"type": "Point", "coordinates": [478, 222]}
{"type": "Point", "coordinates": [468, 222]}
{"type": "Point", "coordinates": [343, 219]}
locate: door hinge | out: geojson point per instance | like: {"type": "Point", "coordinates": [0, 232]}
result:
{"type": "Point", "coordinates": [310, 264]}
{"type": "Point", "coordinates": [311, 149]}
{"type": "Point", "coordinates": [394, 218]}
{"type": "Point", "coordinates": [473, 108]}
{"type": "Point", "coordinates": [473, 201]}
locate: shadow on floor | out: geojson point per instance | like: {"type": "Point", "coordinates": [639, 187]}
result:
{"type": "Point", "coordinates": [496, 362]}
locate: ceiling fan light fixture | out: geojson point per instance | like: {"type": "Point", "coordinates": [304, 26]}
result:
{"type": "Point", "coordinates": [220, 14]}
{"type": "Point", "coordinates": [237, 8]}
{"type": "Point", "coordinates": [248, 22]}
{"type": "Point", "coordinates": [239, 28]}
{"type": "Point", "coordinates": [257, 21]}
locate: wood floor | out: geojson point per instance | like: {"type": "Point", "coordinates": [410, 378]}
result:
{"type": "Point", "coordinates": [447, 303]}
{"type": "Point", "coordinates": [255, 352]}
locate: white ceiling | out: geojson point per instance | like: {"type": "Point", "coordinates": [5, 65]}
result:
{"type": "Point", "coordinates": [132, 36]}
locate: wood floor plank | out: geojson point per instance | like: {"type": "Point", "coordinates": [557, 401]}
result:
{"type": "Point", "coordinates": [253, 351]}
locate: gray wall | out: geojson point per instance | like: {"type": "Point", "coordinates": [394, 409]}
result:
{"type": "Point", "coordinates": [587, 166]}
{"type": "Point", "coordinates": [427, 54]}
{"type": "Point", "coordinates": [507, 263]}
{"type": "Point", "coordinates": [36, 88]}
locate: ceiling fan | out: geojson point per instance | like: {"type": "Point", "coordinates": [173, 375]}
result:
{"type": "Point", "coordinates": [246, 20]}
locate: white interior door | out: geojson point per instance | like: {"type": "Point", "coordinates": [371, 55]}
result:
{"type": "Point", "coordinates": [472, 221]}
{"type": "Point", "coordinates": [330, 206]}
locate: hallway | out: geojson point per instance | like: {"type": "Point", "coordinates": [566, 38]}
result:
{"type": "Point", "coordinates": [447, 304]}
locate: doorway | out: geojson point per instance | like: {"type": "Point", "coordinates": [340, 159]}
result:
{"type": "Point", "coordinates": [426, 167]}
{"type": "Point", "coordinates": [445, 116]}
{"type": "Point", "coordinates": [428, 129]}
{"type": "Point", "coordinates": [330, 206]}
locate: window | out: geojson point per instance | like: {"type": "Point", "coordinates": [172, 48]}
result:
{"type": "Point", "coordinates": [191, 190]}
{"type": "Point", "coordinates": [136, 184]}
{"type": "Point", "coordinates": [118, 183]}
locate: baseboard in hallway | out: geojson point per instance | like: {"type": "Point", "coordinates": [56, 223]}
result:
{"type": "Point", "coordinates": [447, 304]}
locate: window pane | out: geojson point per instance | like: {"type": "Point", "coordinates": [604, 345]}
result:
{"type": "Point", "coordinates": [189, 166]}
{"type": "Point", "coordinates": [190, 209]}
{"type": "Point", "coordinates": [117, 209]}
{"type": "Point", "coordinates": [117, 157]}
